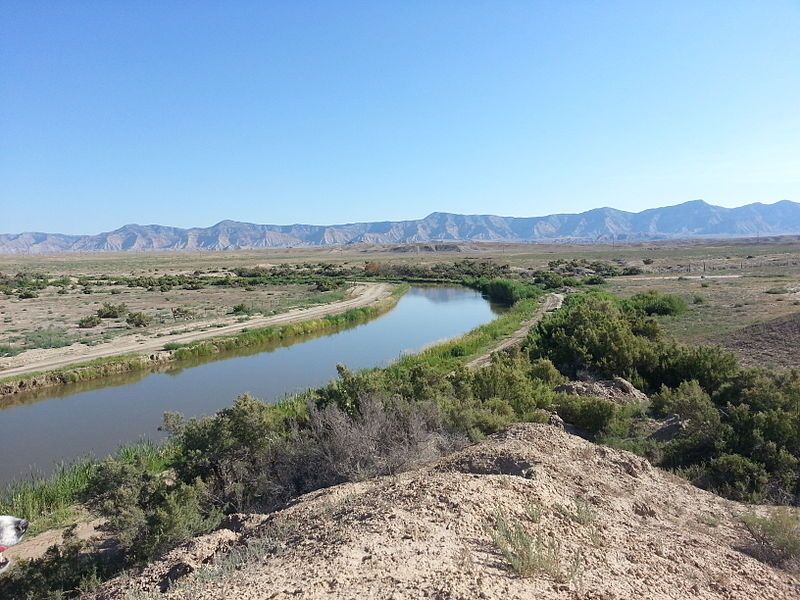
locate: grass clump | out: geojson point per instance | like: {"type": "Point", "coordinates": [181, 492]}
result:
{"type": "Point", "coordinates": [530, 555]}
{"type": "Point", "coordinates": [7, 351]}
{"type": "Point", "coordinates": [776, 537]}
{"type": "Point", "coordinates": [138, 319]}
{"type": "Point", "coordinates": [245, 309]}
{"type": "Point", "coordinates": [48, 338]}
{"type": "Point", "coordinates": [582, 513]}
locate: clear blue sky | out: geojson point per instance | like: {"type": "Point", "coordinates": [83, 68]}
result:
{"type": "Point", "coordinates": [188, 112]}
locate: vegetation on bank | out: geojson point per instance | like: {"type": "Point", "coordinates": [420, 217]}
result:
{"type": "Point", "coordinates": [265, 335]}
{"type": "Point", "coordinates": [104, 367]}
{"type": "Point", "coordinates": [298, 445]}
{"type": "Point", "coordinates": [740, 434]}
{"type": "Point", "coordinates": [49, 502]}
{"type": "Point", "coordinates": [741, 427]}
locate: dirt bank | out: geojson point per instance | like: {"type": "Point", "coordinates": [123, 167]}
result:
{"type": "Point", "coordinates": [551, 302]}
{"type": "Point", "coordinates": [143, 352]}
{"type": "Point", "coordinates": [607, 526]}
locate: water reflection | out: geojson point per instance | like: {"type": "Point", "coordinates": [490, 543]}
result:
{"type": "Point", "coordinates": [46, 427]}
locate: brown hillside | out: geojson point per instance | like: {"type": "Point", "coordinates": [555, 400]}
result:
{"type": "Point", "coordinates": [611, 527]}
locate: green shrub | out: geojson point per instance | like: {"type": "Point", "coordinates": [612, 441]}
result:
{"type": "Point", "coordinates": [593, 280]}
{"type": "Point", "coordinates": [690, 402]}
{"type": "Point", "coordinates": [671, 364]}
{"type": "Point", "coordinates": [549, 279]}
{"type": "Point", "coordinates": [507, 291]}
{"type": "Point", "coordinates": [112, 311]}
{"type": "Point", "coordinates": [589, 413]}
{"type": "Point", "coordinates": [63, 571]}
{"type": "Point", "coordinates": [544, 370]}
{"type": "Point", "coordinates": [655, 303]}
{"type": "Point", "coordinates": [148, 513]}
{"type": "Point", "coordinates": [589, 332]}
{"type": "Point", "coordinates": [27, 294]}
{"type": "Point", "coordinates": [138, 319]}
{"type": "Point", "coordinates": [89, 322]}
{"type": "Point", "coordinates": [776, 536]}
{"type": "Point", "coordinates": [736, 477]}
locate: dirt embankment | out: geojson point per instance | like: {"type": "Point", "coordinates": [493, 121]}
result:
{"type": "Point", "coordinates": [551, 302]}
{"type": "Point", "coordinates": [148, 352]}
{"type": "Point", "coordinates": [605, 524]}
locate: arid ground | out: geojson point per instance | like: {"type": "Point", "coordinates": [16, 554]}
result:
{"type": "Point", "coordinates": [729, 286]}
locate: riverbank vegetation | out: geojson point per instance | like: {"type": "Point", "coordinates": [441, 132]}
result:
{"type": "Point", "coordinates": [738, 436]}
{"type": "Point", "coordinates": [103, 367]}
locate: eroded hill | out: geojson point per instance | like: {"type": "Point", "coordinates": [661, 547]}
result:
{"type": "Point", "coordinates": [533, 512]}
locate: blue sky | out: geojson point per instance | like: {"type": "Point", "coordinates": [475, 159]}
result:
{"type": "Point", "coordinates": [189, 112]}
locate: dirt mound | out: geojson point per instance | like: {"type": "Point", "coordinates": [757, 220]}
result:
{"type": "Point", "coordinates": [773, 343]}
{"type": "Point", "coordinates": [604, 524]}
{"type": "Point", "coordinates": [618, 390]}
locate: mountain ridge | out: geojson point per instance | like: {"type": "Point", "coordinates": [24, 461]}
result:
{"type": "Point", "coordinates": [688, 220]}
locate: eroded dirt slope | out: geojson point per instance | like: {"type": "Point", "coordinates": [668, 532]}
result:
{"type": "Point", "coordinates": [615, 528]}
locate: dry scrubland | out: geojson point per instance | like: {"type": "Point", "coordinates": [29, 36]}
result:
{"type": "Point", "coordinates": [50, 311]}
{"type": "Point", "coordinates": [378, 484]}
{"type": "Point", "coordinates": [728, 286]}
{"type": "Point", "coordinates": [203, 309]}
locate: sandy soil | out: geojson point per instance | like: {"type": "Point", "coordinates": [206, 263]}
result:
{"type": "Point", "coordinates": [32, 361]}
{"type": "Point", "coordinates": [551, 302]}
{"type": "Point", "coordinates": [35, 547]}
{"type": "Point", "coordinates": [774, 343]}
{"type": "Point", "coordinates": [430, 533]}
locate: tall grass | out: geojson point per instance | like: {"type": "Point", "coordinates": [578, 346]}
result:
{"type": "Point", "coordinates": [529, 555]}
{"type": "Point", "coordinates": [48, 501]}
{"type": "Point", "coordinates": [48, 338]}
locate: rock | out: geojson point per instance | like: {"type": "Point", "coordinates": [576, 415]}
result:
{"type": "Point", "coordinates": [617, 390]}
{"type": "Point", "coordinates": [494, 464]}
{"type": "Point", "coordinates": [668, 429]}
{"type": "Point", "coordinates": [556, 421]}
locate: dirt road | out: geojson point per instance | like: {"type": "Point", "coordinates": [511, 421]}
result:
{"type": "Point", "coordinates": [362, 294]}
{"type": "Point", "coordinates": [551, 302]}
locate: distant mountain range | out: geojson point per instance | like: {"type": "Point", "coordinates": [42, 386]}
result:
{"type": "Point", "coordinates": [695, 219]}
